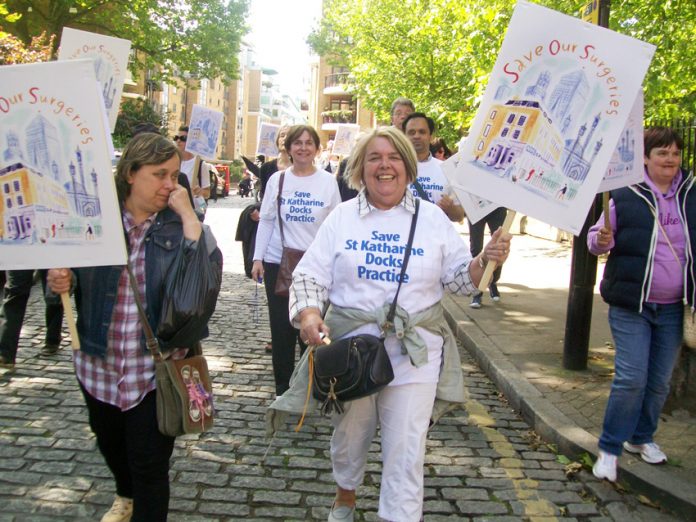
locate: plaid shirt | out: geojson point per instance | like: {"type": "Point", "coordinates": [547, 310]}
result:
{"type": "Point", "coordinates": [127, 373]}
{"type": "Point", "coordinates": [307, 293]}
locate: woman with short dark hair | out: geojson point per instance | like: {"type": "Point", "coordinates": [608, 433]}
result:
{"type": "Point", "coordinates": [114, 368]}
{"type": "Point", "coordinates": [648, 277]}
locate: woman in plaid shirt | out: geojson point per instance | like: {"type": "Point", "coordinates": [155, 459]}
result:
{"type": "Point", "coordinates": [115, 370]}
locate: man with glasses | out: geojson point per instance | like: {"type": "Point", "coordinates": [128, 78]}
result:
{"type": "Point", "coordinates": [400, 109]}
{"type": "Point", "coordinates": [197, 171]}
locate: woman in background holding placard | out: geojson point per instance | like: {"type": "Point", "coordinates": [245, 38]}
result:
{"type": "Point", "coordinates": [647, 278]}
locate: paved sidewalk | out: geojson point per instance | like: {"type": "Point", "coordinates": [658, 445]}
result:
{"type": "Point", "coordinates": [518, 342]}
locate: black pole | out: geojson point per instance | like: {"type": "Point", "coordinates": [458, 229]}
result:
{"type": "Point", "coordinates": [583, 275]}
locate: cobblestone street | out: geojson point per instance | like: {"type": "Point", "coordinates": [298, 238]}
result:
{"type": "Point", "coordinates": [482, 462]}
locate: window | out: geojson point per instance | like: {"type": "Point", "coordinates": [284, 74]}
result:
{"type": "Point", "coordinates": [15, 184]}
{"type": "Point", "coordinates": [480, 146]}
{"type": "Point", "coordinates": [511, 117]}
{"type": "Point", "coordinates": [20, 200]}
{"type": "Point", "coordinates": [516, 134]}
{"type": "Point", "coordinates": [505, 132]}
{"type": "Point", "coordinates": [493, 114]}
{"type": "Point", "coordinates": [6, 188]}
{"type": "Point", "coordinates": [522, 119]}
{"type": "Point", "coordinates": [8, 203]}
{"type": "Point", "coordinates": [487, 129]}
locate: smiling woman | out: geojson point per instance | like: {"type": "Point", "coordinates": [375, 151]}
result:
{"type": "Point", "coordinates": [353, 267]}
{"type": "Point", "coordinates": [648, 276]}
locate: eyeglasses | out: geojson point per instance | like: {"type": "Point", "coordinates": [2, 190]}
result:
{"type": "Point", "coordinates": [180, 138]}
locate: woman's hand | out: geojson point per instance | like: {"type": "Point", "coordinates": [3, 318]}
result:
{"type": "Point", "coordinates": [59, 280]}
{"type": "Point", "coordinates": [312, 326]}
{"type": "Point", "coordinates": [605, 237]}
{"type": "Point", "coordinates": [498, 248]}
{"type": "Point", "coordinates": [257, 271]}
{"type": "Point", "coordinates": [180, 203]}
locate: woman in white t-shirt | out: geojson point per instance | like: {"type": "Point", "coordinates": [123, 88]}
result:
{"type": "Point", "coordinates": [308, 196]}
{"type": "Point", "coordinates": [354, 265]}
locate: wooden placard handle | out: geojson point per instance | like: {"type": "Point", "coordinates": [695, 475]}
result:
{"type": "Point", "coordinates": [492, 265]}
{"type": "Point", "coordinates": [605, 207]}
{"type": "Point", "coordinates": [70, 319]}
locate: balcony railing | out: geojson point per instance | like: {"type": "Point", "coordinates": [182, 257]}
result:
{"type": "Point", "coordinates": [336, 80]}
{"type": "Point", "coordinates": [339, 116]}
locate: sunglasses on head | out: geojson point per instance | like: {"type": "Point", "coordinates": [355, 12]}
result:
{"type": "Point", "coordinates": [180, 138]}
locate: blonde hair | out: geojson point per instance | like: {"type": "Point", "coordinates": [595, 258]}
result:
{"type": "Point", "coordinates": [399, 141]}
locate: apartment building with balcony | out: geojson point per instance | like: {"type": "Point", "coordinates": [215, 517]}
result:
{"type": "Point", "coordinates": [332, 102]}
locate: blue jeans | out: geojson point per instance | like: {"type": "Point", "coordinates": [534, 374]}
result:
{"type": "Point", "coordinates": [647, 345]}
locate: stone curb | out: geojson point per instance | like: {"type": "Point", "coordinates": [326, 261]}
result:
{"type": "Point", "coordinates": [555, 427]}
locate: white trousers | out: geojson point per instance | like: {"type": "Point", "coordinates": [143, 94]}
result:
{"type": "Point", "coordinates": [403, 413]}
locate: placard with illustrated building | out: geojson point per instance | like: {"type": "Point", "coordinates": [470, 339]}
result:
{"type": "Point", "coordinates": [554, 109]}
{"type": "Point", "coordinates": [626, 166]}
{"type": "Point", "coordinates": [268, 133]}
{"type": "Point", "coordinates": [110, 58]}
{"type": "Point", "coordinates": [204, 132]}
{"type": "Point", "coordinates": [346, 134]}
{"type": "Point", "coordinates": [476, 208]}
{"type": "Point", "coordinates": [58, 205]}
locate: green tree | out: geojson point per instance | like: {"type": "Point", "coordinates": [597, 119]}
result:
{"type": "Point", "coordinates": [200, 37]}
{"type": "Point", "coordinates": [439, 53]}
{"type": "Point", "coordinates": [133, 112]}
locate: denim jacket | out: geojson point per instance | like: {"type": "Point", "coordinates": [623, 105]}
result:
{"type": "Point", "coordinates": [97, 287]}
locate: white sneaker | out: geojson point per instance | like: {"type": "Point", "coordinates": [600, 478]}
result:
{"type": "Point", "coordinates": [121, 510]}
{"type": "Point", "coordinates": [649, 452]}
{"type": "Point", "coordinates": [341, 513]}
{"type": "Point", "coordinates": [605, 467]}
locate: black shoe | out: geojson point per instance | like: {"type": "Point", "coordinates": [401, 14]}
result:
{"type": "Point", "coordinates": [476, 301]}
{"type": "Point", "coordinates": [6, 363]}
{"type": "Point", "coordinates": [493, 290]}
{"type": "Point", "coordinates": [50, 349]}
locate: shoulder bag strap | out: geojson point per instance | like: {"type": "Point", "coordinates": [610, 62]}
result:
{"type": "Point", "coordinates": [421, 191]}
{"type": "Point", "coordinates": [389, 323]}
{"type": "Point", "coordinates": [280, 217]}
{"type": "Point", "coordinates": [150, 339]}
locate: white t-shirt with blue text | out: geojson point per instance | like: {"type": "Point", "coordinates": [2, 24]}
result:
{"type": "Point", "coordinates": [432, 179]}
{"type": "Point", "coordinates": [305, 203]}
{"type": "Point", "coordinates": [359, 259]}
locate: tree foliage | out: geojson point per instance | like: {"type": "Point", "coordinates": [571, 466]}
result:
{"type": "Point", "coordinates": [14, 51]}
{"type": "Point", "coordinates": [198, 37]}
{"type": "Point", "coordinates": [439, 53]}
{"type": "Point", "coordinates": [131, 113]}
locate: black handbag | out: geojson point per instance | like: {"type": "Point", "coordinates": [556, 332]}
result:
{"type": "Point", "coordinates": [357, 366]}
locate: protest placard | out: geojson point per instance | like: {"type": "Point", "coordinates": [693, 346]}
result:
{"type": "Point", "coordinates": [626, 164]}
{"type": "Point", "coordinates": [204, 132]}
{"type": "Point", "coordinates": [110, 58]}
{"type": "Point", "coordinates": [346, 134]}
{"type": "Point", "coordinates": [556, 103]}
{"type": "Point", "coordinates": [268, 133]}
{"type": "Point", "coordinates": [58, 205]}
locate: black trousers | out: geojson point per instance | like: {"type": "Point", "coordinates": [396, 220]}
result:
{"type": "Point", "coordinates": [494, 220]}
{"type": "Point", "coordinates": [284, 336]}
{"type": "Point", "coordinates": [14, 306]}
{"type": "Point", "coordinates": [136, 453]}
